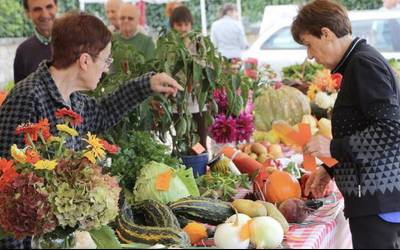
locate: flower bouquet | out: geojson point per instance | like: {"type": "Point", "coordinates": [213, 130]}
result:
{"type": "Point", "coordinates": [324, 88]}
{"type": "Point", "coordinates": [48, 189]}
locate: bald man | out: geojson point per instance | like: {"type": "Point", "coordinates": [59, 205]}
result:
{"type": "Point", "coordinates": [112, 8]}
{"type": "Point", "coordinates": [129, 31]}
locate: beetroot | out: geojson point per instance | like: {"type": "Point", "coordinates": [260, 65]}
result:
{"type": "Point", "coordinates": [294, 210]}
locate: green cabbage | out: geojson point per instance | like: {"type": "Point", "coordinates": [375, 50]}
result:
{"type": "Point", "coordinates": [182, 184]}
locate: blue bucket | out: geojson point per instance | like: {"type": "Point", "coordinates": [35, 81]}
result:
{"type": "Point", "coordinates": [197, 162]}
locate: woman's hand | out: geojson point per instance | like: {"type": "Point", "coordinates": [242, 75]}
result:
{"type": "Point", "coordinates": [318, 146]}
{"type": "Point", "coordinates": [317, 183]}
{"type": "Point", "coordinates": [163, 83]}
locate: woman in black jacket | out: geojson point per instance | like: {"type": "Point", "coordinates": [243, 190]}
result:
{"type": "Point", "coordinates": [365, 126]}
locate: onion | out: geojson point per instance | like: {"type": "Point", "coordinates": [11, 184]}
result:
{"type": "Point", "coordinates": [266, 232]}
{"type": "Point", "coordinates": [243, 219]}
{"type": "Point", "coordinates": [228, 235]}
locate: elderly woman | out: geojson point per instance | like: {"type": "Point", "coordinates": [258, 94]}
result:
{"type": "Point", "coordinates": [365, 126]}
{"type": "Point", "coordinates": [81, 54]}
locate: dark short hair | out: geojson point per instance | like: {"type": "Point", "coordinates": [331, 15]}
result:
{"type": "Point", "coordinates": [319, 14]}
{"type": "Point", "coordinates": [180, 14]}
{"type": "Point", "coordinates": [26, 7]}
{"type": "Point", "coordinates": [76, 33]}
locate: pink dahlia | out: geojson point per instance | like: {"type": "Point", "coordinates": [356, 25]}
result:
{"type": "Point", "coordinates": [244, 126]}
{"type": "Point", "coordinates": [223, 129]}
{"type": "Point", "coordinates": [221, 99]}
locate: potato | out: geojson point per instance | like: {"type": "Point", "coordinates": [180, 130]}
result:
{"type": "Point", "coordinates": [250, 208]}
{"type": "Point", "coordinates": [258, 149]}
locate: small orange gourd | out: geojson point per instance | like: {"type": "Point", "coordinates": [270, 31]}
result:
{"type": "Point", "coordinates": [196, 232]}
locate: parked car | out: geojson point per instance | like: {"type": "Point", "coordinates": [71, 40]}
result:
{"type": "Point", "coordinates": [277, 48]}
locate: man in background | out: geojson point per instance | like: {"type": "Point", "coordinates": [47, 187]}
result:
{"type": "Point", "coordinates": [130, 33]}
{"type": "Point", "coordinates": [37, 48]}
{"type": "Point", "coordinates": [112, 8]}
{"type": "Point", "coordinates": [227, 33]}
{"type": "Point", "coordinates": [391, 5]}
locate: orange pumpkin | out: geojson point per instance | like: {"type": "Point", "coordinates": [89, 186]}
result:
{"type": "Point", "coordinates": [281, 186]}
{"type": "Point", "coordinates": [2, 97]}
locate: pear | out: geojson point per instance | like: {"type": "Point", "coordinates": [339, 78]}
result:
{"type": "Point", "coordinates": [325, 127]}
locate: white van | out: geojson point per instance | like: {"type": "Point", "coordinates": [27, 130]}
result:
{"type": "Point", "coordinates": [277, 47]}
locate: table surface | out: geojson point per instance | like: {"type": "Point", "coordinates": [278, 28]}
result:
{"type": "Point", "coordinates": [320, 230]}
{"type": "Point", "coordinates": [325, 228]}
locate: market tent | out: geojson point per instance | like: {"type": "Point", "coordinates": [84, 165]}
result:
{"type": "Point", "coordinates": [202, 7]}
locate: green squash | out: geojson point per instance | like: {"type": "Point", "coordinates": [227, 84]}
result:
{"type": "Point", "coordinates": [285, 103]}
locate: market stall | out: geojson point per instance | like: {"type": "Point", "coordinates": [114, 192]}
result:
{"type": "Point", "coordinates": [249, 192]}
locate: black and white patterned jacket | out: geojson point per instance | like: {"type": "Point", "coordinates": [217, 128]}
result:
{"type": "Point", "coordinates": [366, 132]}
{"type": "Point", "coordinates": [37, 97]}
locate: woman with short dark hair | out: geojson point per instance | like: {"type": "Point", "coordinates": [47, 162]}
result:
{"type": "Point", "coordinates": [365, 126]}
{"type": "Point", "coordinates": [81, 54]}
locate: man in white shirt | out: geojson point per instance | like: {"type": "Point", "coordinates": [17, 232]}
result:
{"type": "Point", "coordinates": [228, 34]}
{"type": "Point", "coordinates": [391, 5]}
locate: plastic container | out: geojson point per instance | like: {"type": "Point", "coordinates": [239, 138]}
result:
{"type": "Point", "coordinates": [197, 162]}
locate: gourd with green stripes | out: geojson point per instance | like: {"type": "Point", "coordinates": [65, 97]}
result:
{"type": "Point", "coordinates": [129, 232]}
{"type": "Point", "coordinates": [155, 214]}
{"type": "Point", "coordinates": [202, 210]}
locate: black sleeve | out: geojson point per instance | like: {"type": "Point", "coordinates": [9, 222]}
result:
{"type": "Point", "coordinates": [19, 67]}
{"type": "Point", "coordinates": [378, 100]}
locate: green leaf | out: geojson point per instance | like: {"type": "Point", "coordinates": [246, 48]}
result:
{"type": "Point", "coordinates": [235, 81]}
{"type": "Point", "coordinates": [202, 100]}
{"type": "Point", "coordinates": [3, 234]}
{"type": "Point", "coordinates": [238, 105]}
{"type": "Point", "coordinates": [197, 75]}
{"type": "Point", "coordinates": [187, 177]}
{"type": "Point", "coordinates": [105, 238]}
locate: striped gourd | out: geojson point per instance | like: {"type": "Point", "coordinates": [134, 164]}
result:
{"type": "Point", "coordinates": [155, 214]}
{"type": "Point", "coordinates": [202, 210]}
{"type": "Point", "coordinates": [129, 232]}
{"type": "Point", "coordinates": [285, 103]}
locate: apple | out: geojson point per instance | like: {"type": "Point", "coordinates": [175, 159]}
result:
{"type": "Point", "coordinates": [275, 150]}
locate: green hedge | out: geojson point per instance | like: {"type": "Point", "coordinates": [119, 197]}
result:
{"type": "Point", "coordinates": [13, 22]}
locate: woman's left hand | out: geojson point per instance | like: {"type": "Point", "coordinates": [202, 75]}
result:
{"type": "Point", "coordinates": [319, 146]}
{"type": "Point", "coordinates": [163, 83]}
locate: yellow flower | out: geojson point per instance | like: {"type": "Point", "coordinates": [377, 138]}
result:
{"type": "Point", "coordinates": [18, 154]}
{"type": "Point", "coordinates": [312, 91]}
{"type": "Point", "coordinates": [90, 156]}
{"type": "Point", "coordinates": [66, 129]}
{"type": "Point", "coordinates": [55, 139]}
{"type": "Point", "coordinates": [45, 164]}
{"type": "Point", "coordinates": [95, 146]}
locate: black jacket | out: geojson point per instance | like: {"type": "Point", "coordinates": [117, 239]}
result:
{"type": "Point", "coordinates": [366, 133]}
